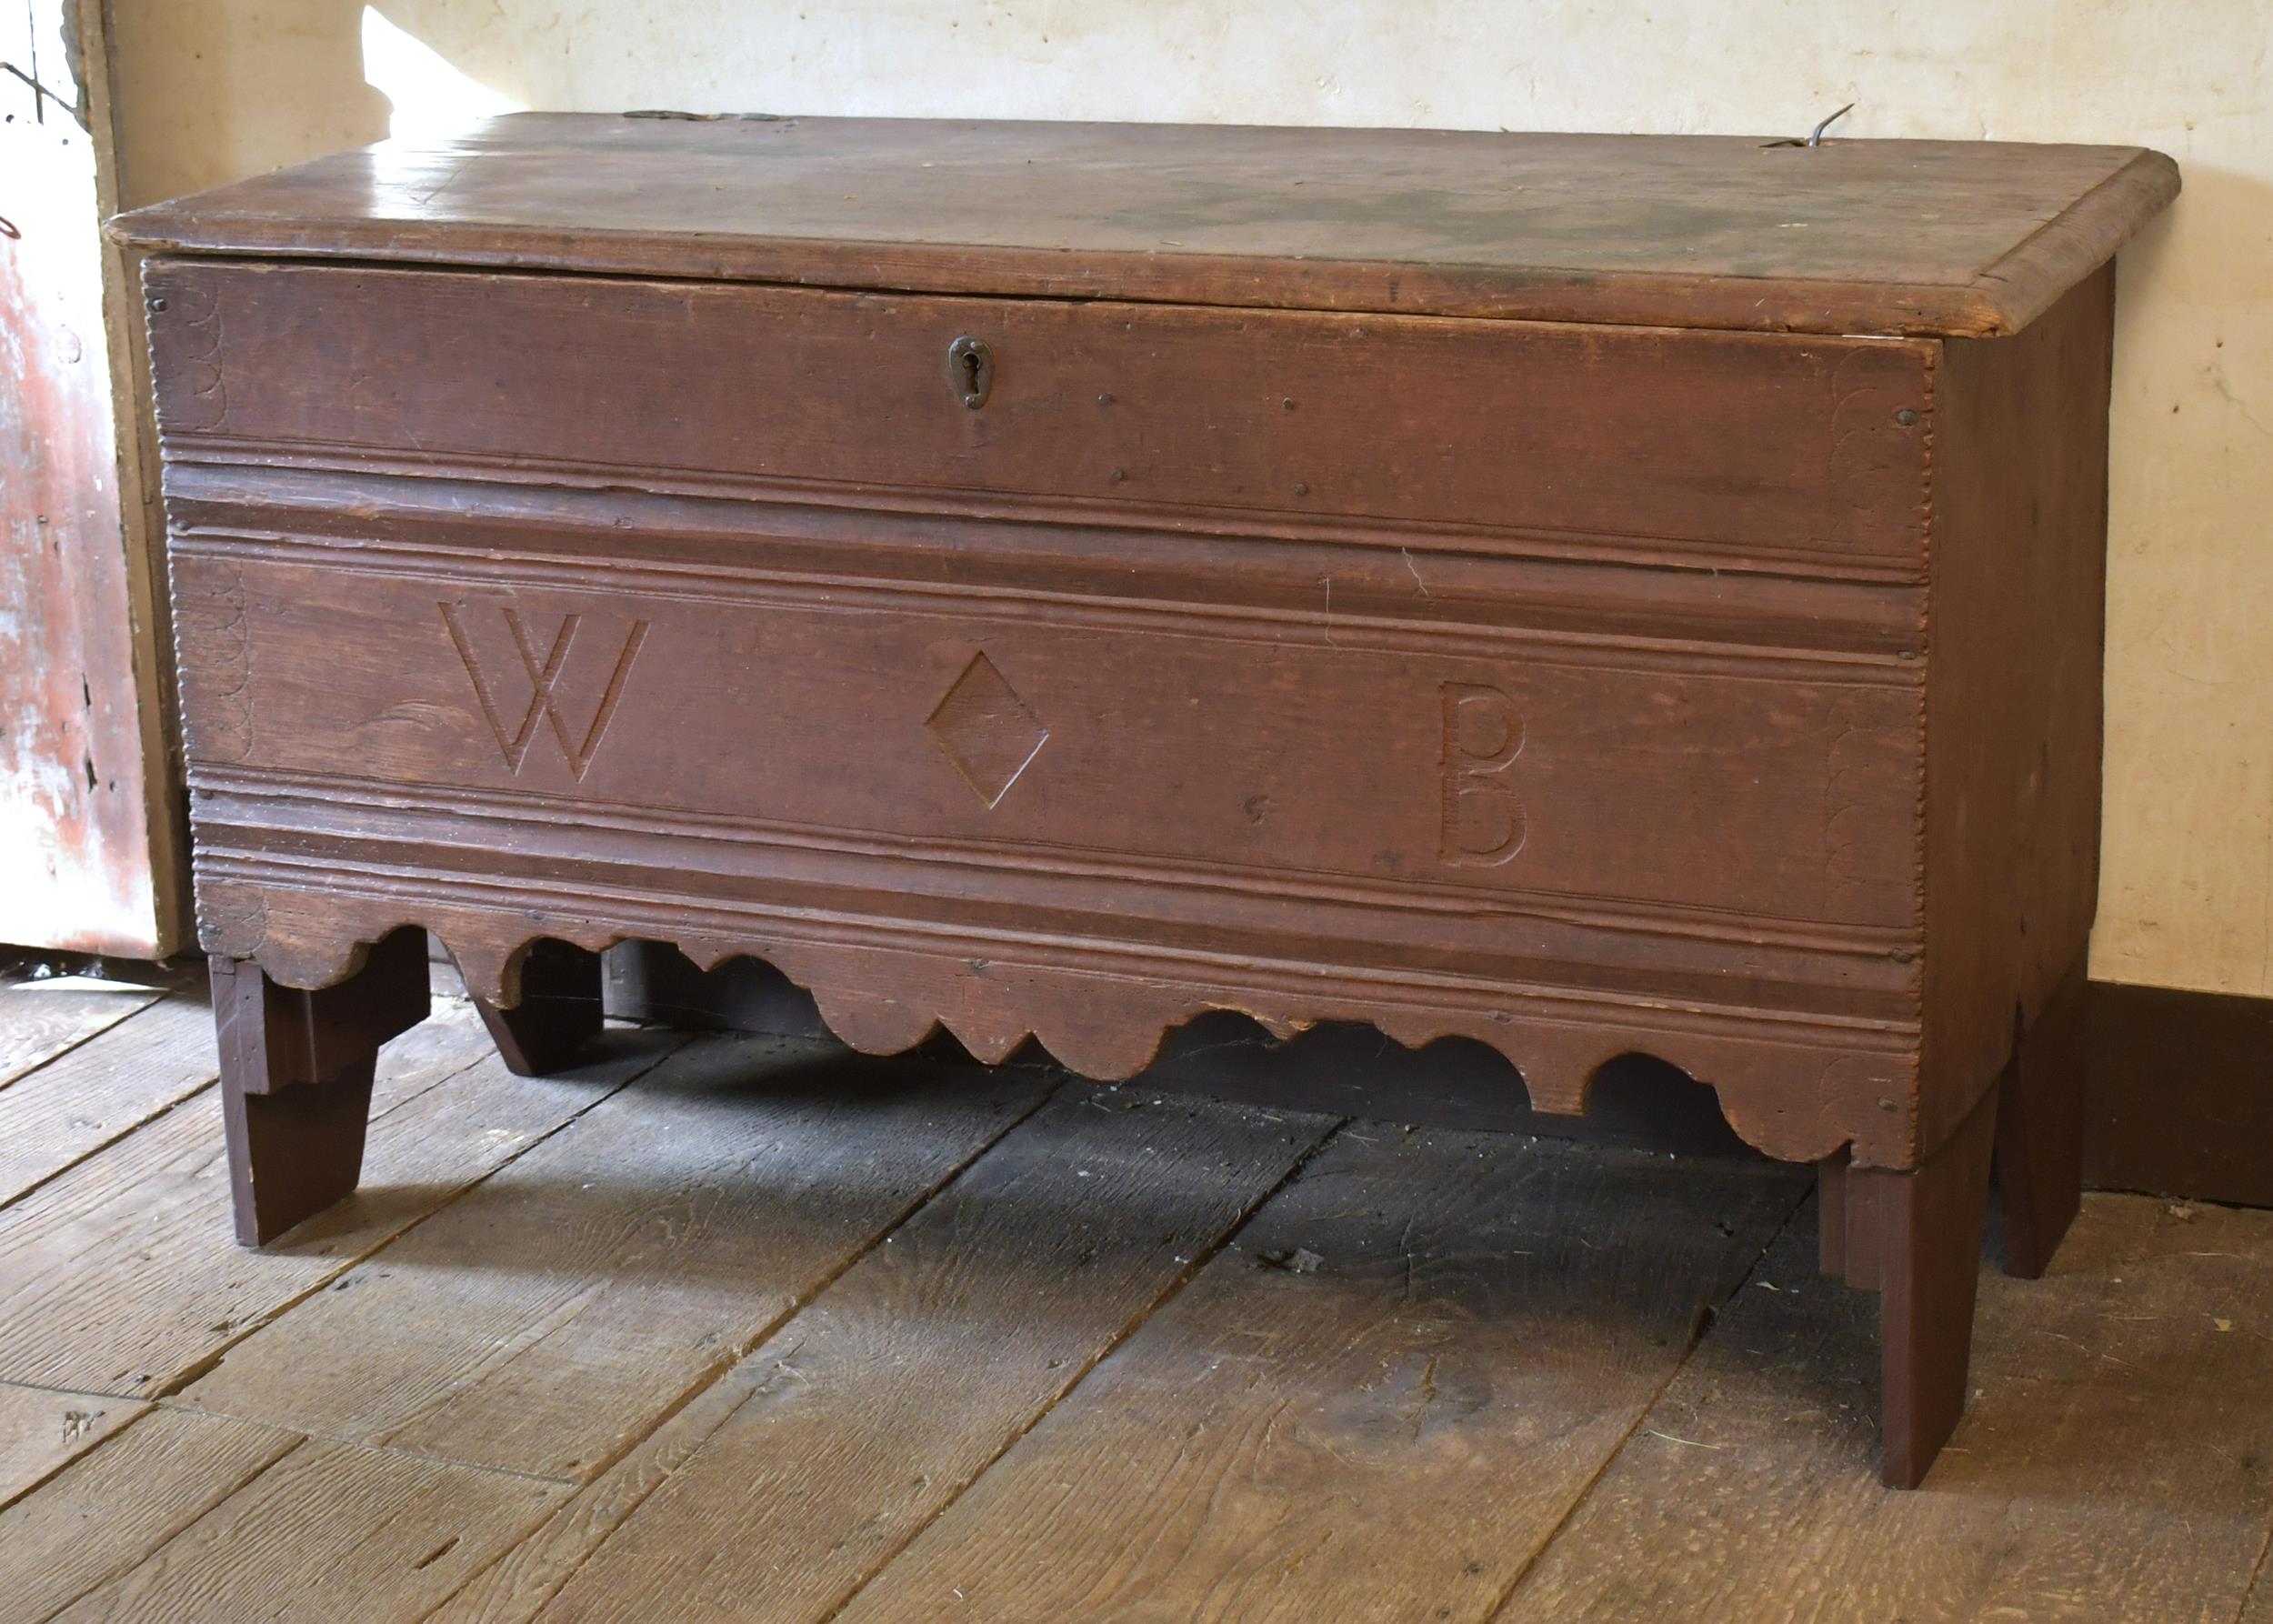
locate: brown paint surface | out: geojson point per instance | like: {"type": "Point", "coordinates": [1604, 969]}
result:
{"type": "Point", "coordinates": [1901, 236]}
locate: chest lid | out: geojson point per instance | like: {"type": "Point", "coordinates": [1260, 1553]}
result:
{"type": "Point", "coordinates": [1920, 237]}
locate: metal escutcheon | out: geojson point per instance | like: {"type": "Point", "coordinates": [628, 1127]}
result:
{"type": "Point", "coordinates": [971, 369]}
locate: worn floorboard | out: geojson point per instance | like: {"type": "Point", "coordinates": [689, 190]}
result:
{"type": "Point", "coordinates": [42, 1431]}
{"type": "Point", "coordinates": [770, 1333]}
{"type": "Point", "coordinates": [331, 1532]}
{"type": "Point", "coordinates": [878, 1402]}
{"type": "Point", "coordinates": [110, 1508]}
{"type": "Point", "coordinates": [1376, 1406]}
{"type": "Point", "coordinates": [123, 1276]}
{"type": "Point", "coordinates": [101, 1089]}
{"type": "Point", "coordinates": [2117, 1462]}
{"type": "Point", "coordinates": [551, 1317]}
{"type": "Point", "coordinates": [2259, 1609]}
{"type": "Point", "coordinates": [42, 1019]}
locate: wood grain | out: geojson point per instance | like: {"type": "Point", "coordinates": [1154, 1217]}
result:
{"type": "Point", "coordinates": [1853, 237]}
{"type": "Point", "coordinates": [42, 1431]}
{"type": "Point", "coordinates": [870, 1410]}
{"type": "Point", "coordinates": [42, 1019]}
{"type": "Point", "coordinates": [545, 1320]}
{"type": "Point", "coordinates": [2016, 622]}
{"type": "Point", "coordinates": [121, 1277]}
{"type": "Point", "coordinates": [91, 1095]}
{"type": "Point", "coordinates": [110, 1508]}
{"type": "Point", "coordinates": [1790, 592]}
{"type": "Point", "coordinates": [330, 1532]}
{"type": "Point", "coordinates": [2112, 1467]}
{"type": "Point", "coordinates": [296, 1073]}
{"type": "Point", "coordinates": [1377, 1405]}
{"type": "Point", "coordinates": [2258, 1608]}
{"type": "Point", "coordinates": [1739, 442]}
{"type": "Point", "coordinates": [515, 1589]}
{"type": "Point", "coordinates": [1925, 1256]}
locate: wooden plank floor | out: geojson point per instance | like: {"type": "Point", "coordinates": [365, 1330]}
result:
{"type": "Point", "coordinates": [732, 1328]}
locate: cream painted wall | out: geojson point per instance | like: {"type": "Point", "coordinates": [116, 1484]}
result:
{"type": "Point", "coordinates": [213, 89]}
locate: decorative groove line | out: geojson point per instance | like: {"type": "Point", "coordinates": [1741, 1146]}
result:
{"type": "Point", "coordinates": [1822, 562]}
{"type": "Point", "coordinates": [743, 587]}
{"type": "Point", "coordinates": [1274, 880]}
{"type": "Point", "coordinates": [639, 912]}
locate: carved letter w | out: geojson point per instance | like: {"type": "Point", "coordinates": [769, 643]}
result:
{"type": "Point", "coordinates": [545, 686]}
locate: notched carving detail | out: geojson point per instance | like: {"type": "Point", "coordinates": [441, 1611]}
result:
{"type": "Point", "coordinates": [1859, 872]}
{"type": "Point", "coordinates": [1877, 431]}
{"type": "Point", "coordinates": [1483, 823]}
{"type": "Point", "coordinates": [986, 730]}
{"type": "Point", "coordinates": [213, 646]}
{"type": "Point", "coordinates": [201, 401]}
{"type": "Point", "coordinates": [545, 678]}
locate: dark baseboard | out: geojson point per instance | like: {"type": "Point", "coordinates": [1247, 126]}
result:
{"type": "Point", "coordinates": [2181, 1099]}
{"type": "Point", "coordinates": [2181, 1084]}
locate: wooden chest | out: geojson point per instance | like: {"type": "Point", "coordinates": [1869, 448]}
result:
{"type": "Point", "coordinates": [1590, 595]}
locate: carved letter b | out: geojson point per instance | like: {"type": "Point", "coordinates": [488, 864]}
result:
{"type": "Point", "coordinates": [1483, 821]}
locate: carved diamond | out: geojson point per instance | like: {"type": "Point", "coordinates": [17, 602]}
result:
{"type": "Point", "coordinates": [986, 730]}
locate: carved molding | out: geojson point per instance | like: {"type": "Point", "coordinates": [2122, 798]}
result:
{"type": "Point", "coordinates": [227, 474]}
{"type": "Point", "coordinates": [244, 811]}
{"type": "Point", "coordinates": [1798, 1091]}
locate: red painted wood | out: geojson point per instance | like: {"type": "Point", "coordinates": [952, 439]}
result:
{"type": "Point", "coordinates": [1928, 1254]}
{"type": "Point", "coordinates": [558, 1012]}
{"type": "Point", "coordinates": [2040, 1131]}
{"type": "Point", "coordinates": [296, 1070]}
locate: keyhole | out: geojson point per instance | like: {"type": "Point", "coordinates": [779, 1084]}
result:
{"type": "Point", "coordinates": [971, 368]}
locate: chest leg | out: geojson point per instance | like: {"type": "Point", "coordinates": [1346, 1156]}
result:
{"type": "Point", "coordinates": [557, 1014]}
{"type": "Point", "coordinates": [2040, 1131]}
{"type": "Point", "coordinates": [297, 1070]}
{"type": "Point", "coordinates": [1914, 1238]}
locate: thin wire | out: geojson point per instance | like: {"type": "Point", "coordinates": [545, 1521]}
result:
{"type": "Point", "coordinates": [1814, 136]}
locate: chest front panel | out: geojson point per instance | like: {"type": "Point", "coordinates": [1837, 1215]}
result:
{"type": "Point", "coordinates": [1406, 659]}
